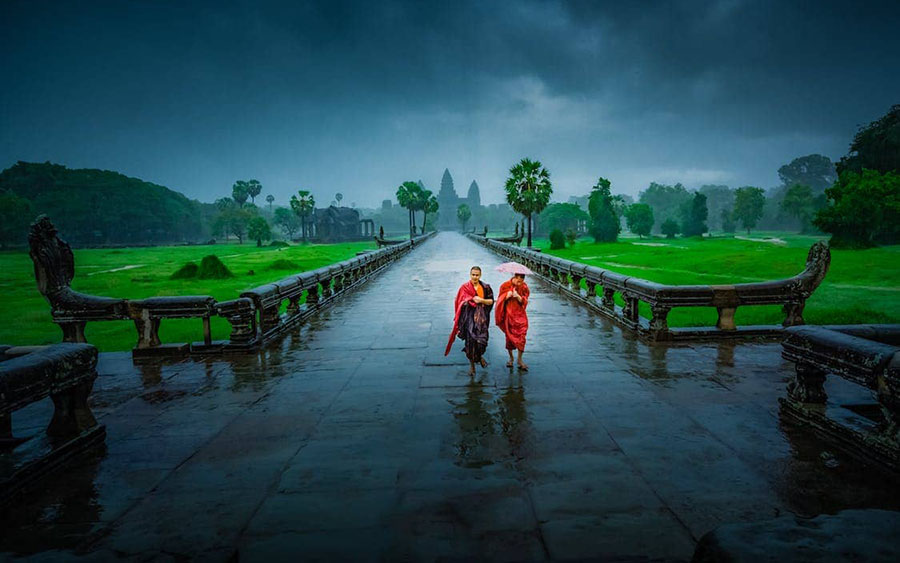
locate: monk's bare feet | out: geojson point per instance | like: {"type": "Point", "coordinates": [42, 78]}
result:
{"type": "Point", "coordinates": [523, 366]}
{"type": "Point", "coordinates": [484, 363]}
{"type": "Point", "coordinates": [472, 369]}
{"type": "Point", "coordinates": [509, 364]}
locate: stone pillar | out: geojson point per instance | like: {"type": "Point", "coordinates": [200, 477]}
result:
{"type": "Point", "coordinates": [793, 313]}
{"type": "Point", "coordinates": [808, 386]}
{"type": "Point", "coordinates": [608, 300]}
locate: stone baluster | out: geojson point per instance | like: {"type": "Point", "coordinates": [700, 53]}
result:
{"type": "Point", "coordinates": [608, 300]}
{"type": "Point", "coordinates": [576, 284]}
{"type": "Point", "coordinates": [240, 315]}
{"type": "Point", "coordinates": [659, 326]}
{"type": "Point", "coordinates": [808, 386]}
{"type": "Point", "coordinates": [326, 288]}
{"type": "Point", "coordinates": [591, 293]}
{"type": "Point", "coordinates": [312, 295]}
{"type": "Point", "coordinates": [793, 313]}
{"type": "Point", "coordinates": [630, 310]}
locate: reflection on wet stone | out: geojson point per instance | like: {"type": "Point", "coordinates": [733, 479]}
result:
{"type": "Point", "coordinates": [354, 438]}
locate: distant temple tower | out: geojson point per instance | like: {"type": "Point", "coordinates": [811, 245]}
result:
{"type": "Point", "coordinates": [448, 201]}
{"type": "Point", "coordinates": [474, 195]}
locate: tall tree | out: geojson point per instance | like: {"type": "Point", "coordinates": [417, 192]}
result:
{"type": "Point", "coordinates": [665, 200]}
{"type": "Point", "coordinates": [528, 189]}
{"type": "Point", "coordinates": [270, 199]}
{"type": "Point", "coordinates": [474, 195]}
{"type": "Point", "coordinates": [605, 224]}
{"type": "Point", "coordinates": [748, 206]}
{"type": "Point", "coordinates": [338, 197]}
{"type": "Point", "coordinates": [863, 210]}
{"type": "Point", "coordinates": [407, 196]}
{"type": "Point", "coordinates": [303, 206]}
{"type": "Point", "coordinates": [463, 214]}
{"type": "Point", "coordinates": [253, 189]}
{"type": "Point", "coordinates": [287, 221]}
{"type": "Point", "coordinates": [258, 230]}
{"type": "Point", "coordinates": [430, 205]}
{"type": "Point", "coordinates": [693, 216]}
{"type": "Point", "coordinates": [639, 217]}
{"type": "Point", "coordinates": [814, 170]}
{"type": "Point", "coordinates": [718, 198]}
{"type": "Point", "coordinates": [875, 146]}
{"type": "Point", "coordinates": [240, 191]}
{"type": "Point", "coordinates": [799, 202]}
{"type": "Point", "coordinates": [562, 216]}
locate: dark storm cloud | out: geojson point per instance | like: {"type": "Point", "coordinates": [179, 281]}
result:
{"type": "Point", "coordinates": [357, 97]}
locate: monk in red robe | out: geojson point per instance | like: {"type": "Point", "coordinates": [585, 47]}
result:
{"type": "Point", "coordinates": [511, 318]}
{"type": "Point", "coordinates": [471, 322]}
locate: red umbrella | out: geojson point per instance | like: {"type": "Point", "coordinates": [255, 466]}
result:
{"type": "Point", "coordinates": [514, 268]}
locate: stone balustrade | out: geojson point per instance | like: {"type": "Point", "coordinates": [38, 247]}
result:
{"type": "Point", "coordinates": [64, 372]}
{"type": "Point", "coordinates": [601, 287]}
{"type": "Point", "coordinates": [258, 315]}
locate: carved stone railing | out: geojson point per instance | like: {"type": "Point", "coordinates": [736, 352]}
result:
{"type": "Point", "coordinates": [602, 287]}
{"type": "Point", "coordinates": [65, 373]}
{"type": "Point", "coordinates": [868, 355]}
{"type": "Point", "coordinates": [255, 317]}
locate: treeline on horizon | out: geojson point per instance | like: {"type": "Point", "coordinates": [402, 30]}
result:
{"type": "Point", "coordinates": [857, 201]}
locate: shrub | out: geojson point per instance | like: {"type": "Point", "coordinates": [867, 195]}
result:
{"type": "Point", "coordinates": [571, 235]}
{"type": "Point", "coordinates": [278, 244]}
{"type": "Point", "coordinates": [669, 228]}
{"type": "Point", "coordinates": [284, 265]}
{"type": "Point", "coordinates": [557, 239]}
{"type": "Point", "coordinates": [188, 271]}
{"type": "Point", "coordinates": [211, 268]}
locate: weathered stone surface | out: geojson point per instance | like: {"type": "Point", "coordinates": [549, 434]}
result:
{"type": "Point", "coordinates": [851, 535]}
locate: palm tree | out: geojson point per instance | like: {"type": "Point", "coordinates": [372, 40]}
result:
{"type": "Point", "coordinates": [270, 198]}
{"type": "Point", "coordinates": [463, 214]}
{"type": "Point", "coordinates": [528, 189]}
{"type": "Point", "coordinates": [303, 206]}
{"type": "Point", "coordinates": [338, 196]}
{"type": "Point", "coordinates": [253, 189]}
{"type": "Point", "coordinates": [407, 196]}
{"type": "Point", "coordinates": [239, 192]}
{"type": "Point", "coordinates": [430, 206]}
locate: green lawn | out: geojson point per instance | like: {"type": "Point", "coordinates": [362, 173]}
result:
{"type": "Point", "coordinates": [862, 286]}
{"type": "Point", "coordinates": [144, 272]}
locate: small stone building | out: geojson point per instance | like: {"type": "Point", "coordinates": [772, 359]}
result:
{"type": "Point", "coordinates": [341, 224]}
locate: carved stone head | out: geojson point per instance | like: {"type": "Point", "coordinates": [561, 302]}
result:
{"type": "Point", "coordinates": [54, 264]}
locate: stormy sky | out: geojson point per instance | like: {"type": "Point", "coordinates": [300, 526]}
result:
{"type": "Point", "coordinates": [356, 97]}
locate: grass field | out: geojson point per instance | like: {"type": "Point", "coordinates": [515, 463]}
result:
{"type": "Point", "coordinates": [862, 286]}
{"type": "Point", "coordinates": [144, 272]}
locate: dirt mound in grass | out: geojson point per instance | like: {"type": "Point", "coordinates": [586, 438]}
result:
{"type": "Point", "coordinates": [188, 271]}
{"type": "Point", "coordinates": [211, 268]}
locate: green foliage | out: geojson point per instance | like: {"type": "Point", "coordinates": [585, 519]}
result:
{"type": "Point", "coordinates": [557, 239]}
{"type": "Point", "coordinates": [253, 189]}
{"type": "Point", "coordinates": [287, 221]}
{"type": "Point", "coordinates": [258, 229]}
{"type": "Point", "coordinates": [665, 200]}
{"type": "Point", "coordinates": [234, 220]}
{"type": "Point", "coordinates": [799, 202]}
{"type": "Point", "coordinates": [188, 271]}
{"type": "Point", "coordinates": [814, 170]}
{"type": "Point", "coordinates": [101, 207]}
{"type": "Point", "coordinates": [303, 207]}
{"type": "Point", "coordinates": [639, 217]}
{"type": "Point", "coordinates": [727, 221]}
{"type": "Point", "coordinates": [15, 214]}
{"type": "Point", "coordinates": [284, 265]}
{"type": "Point", "coordinates": [719, 198]}
{"type": "Point", "coordinates": [279, 244]}
{"type": "Point", "coordinates": [409, 194]}
{"type": "Point", "coordinates": [240, 191]}
{"type": "Point", "coordinates": [270, 199]}
{"type": "Point", "coordinates": [562, 216]}
{"type": "Point", "coordinates": [875, 146]}
{"type": "Point", "coordinates": [211, 268]}
{"type": "Point", "coordinates": [605, 224]}
{"type": "Point", "coordinates": [429, 205]}
{"type": "Point", "coordinates": [693, 216]}
{"type": "Point", "coordinates": [864, 210]}
{"type": "Point", "coordinates": [571, 236]}
{"type": "Point", "coordinates": [463, 214]}
{"type": "Point", "coordinates": [528, 189]}
{"type": "Point", "coordinates": [670, 228]}
{"type": "Point", "coordinates": [748, 206]}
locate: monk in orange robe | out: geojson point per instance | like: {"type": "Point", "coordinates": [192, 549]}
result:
{"type": "Point", "coordinates": [471, 322]}
{"type": "Point", "coordinates": [512, 299]}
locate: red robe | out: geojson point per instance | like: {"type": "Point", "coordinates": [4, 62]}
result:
{"type": "Point", "coordinates": [465, 295]}
{"type": "Point", "coordinates": [510, 315]}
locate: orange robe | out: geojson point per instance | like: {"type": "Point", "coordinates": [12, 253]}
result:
{"type": "Point", "coordinates": [510, 315]}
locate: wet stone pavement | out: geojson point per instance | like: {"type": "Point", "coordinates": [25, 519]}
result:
{"type": "Point", "coordinates": [356, 439]}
